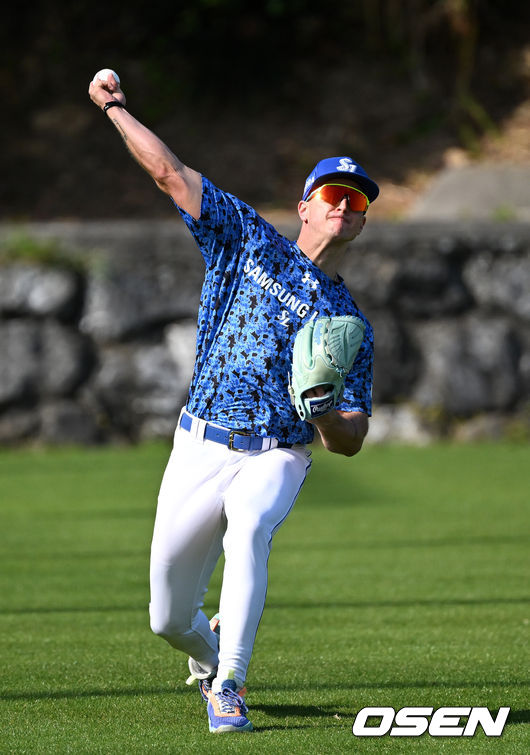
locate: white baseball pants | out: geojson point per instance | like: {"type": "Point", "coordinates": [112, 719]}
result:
{"type": "Point", "coordinates": [213, 499]}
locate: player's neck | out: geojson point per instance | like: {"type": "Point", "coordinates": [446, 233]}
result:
{"type": "Point", "coordinates": [328, 257]}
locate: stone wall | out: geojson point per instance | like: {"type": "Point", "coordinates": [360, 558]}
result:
{"type": "Point", "coordinates": [97, 328]}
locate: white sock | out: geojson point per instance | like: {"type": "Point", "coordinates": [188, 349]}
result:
{"type": "Point", "coordinates": [221, 677]}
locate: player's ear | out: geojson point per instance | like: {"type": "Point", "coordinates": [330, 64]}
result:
{"type": "Point", "coordinates": [302, 210]}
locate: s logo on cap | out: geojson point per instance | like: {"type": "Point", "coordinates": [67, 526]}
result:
{"type": "Point", "coordinates": [347, 164]}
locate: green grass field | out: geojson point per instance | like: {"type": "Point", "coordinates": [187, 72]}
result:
{"type": "Point", "coordinates": [400, 579]}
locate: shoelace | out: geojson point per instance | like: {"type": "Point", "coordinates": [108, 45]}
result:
{"type": "Point", "coordinates": [229, 701]}
{"type": "Point", "coordinates": [205, 687]}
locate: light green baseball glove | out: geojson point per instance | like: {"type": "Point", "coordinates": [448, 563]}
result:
{"type": "Point", "coordinates": [323, 354]}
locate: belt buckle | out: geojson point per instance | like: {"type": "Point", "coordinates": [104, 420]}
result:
{"type": "Point", "coordinates": [231, 440]}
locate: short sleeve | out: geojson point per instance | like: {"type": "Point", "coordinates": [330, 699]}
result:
{"type": "Point", "coordinates": [218, 230]}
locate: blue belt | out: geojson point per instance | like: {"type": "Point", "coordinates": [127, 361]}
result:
{"type": "Point", "coordinates": [235, 440]}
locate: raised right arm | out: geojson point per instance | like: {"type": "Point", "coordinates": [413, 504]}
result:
{"type": "Point", "coordinates": [182, 184]}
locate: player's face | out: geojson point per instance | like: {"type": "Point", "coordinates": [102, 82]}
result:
{"type": "Point", "coordinates": [332, 215]}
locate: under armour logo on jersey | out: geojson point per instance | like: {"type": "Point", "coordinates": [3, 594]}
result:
{"type": "Point", "coordinates": [306, 278]}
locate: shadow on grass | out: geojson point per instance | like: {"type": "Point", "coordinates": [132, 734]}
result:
{"type": "Point", "coordinates": [446, 542]}
{"type": "Point", "coordinates": [292, 605]}
{"type": "Point", "coordinates": [72, 609]}
{"type": "Point", "coordinates": [419, 684]}
{"type": "Point", "coordinates": [69, 694]}
{"type": "Point", "coordinates": [284, 710]}
{"type": "Point", "coordinates": [305, 711]}
{"type": "Point", "coordinates": [426, 603]}
{"type": "Point", "coordinates": [519, 717]}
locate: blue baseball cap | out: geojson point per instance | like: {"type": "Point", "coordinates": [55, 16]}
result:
{"type": "Point", "coordinates": [340, 167]}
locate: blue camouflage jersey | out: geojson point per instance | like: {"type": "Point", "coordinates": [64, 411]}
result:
{"type": "Point", "coordinates": [259, 290]}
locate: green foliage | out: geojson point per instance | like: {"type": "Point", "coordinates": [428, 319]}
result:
{"type": "Point", "coordinates": [400, 578]}
{"type": "Point", "coordinates": [504, 214]}
{"type": "Point", "coordinates": [21, 247]}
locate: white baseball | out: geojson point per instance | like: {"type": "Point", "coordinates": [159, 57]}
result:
{"type": "Point", "coordinates": [103, 75]}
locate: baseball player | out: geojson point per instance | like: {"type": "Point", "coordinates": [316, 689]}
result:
{"type": "Point", "coordinates": [282, 349]}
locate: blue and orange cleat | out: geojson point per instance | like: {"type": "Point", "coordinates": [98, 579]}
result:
{"type": "Point", "coordinates": [227, 710]}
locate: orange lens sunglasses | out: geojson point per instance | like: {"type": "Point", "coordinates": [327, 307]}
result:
{"type": "Point", "coordinates": [334, 194]}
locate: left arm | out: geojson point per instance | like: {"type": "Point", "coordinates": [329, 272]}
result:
{"type": "Point", "coordinates": [323, 352]}
{"type": "Point", "coordinates": [342, 432]}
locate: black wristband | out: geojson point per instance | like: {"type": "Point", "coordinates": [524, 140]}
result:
{"type": "Point", "coordinates": [112, 103]}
